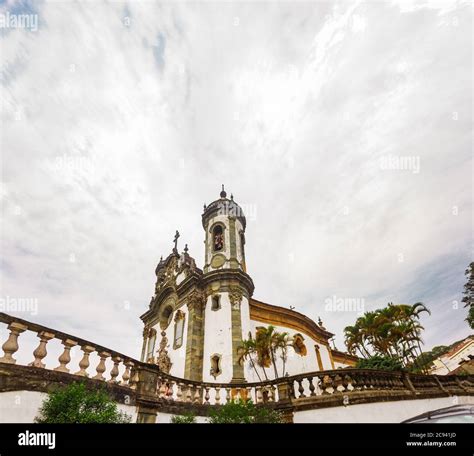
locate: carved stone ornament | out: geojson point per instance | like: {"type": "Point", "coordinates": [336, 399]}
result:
{"type": "Point", "coordinates": [166, 276]}
{"type": "Point", "coordinates": [163, 361]}
{"type": "Point", "coordinates": [178, 316]}
{"type": "Point", "coordinates": [235, 297]}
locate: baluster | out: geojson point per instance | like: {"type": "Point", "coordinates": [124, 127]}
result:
{"type": "Point", "coordinates": [169, 386]}
{"type": "Point", "coordinates": [65, 357]}
{"type": "Point", "coordinates": [100, 369]}
{"type": "Point", "coordinates": [179, 392]}
{"type": "Point", "coordinates": [327, 384]}
{"type": "Point", "coordinates": [300, 388]}
{"type": "Point", "coordinates": [84, 362]}
{"type": "Point", "coordinates": [197, 394]}
{"type": "Point", "coordinates": [115, 369]}
{"type": "Point", "coordinates": [162, 387]}
{"type": "Point", "coordinates": [249, 394]}
{"type": "Point", "coordinates": [348, 383]}
{"type": "Point", "coordinates": [218, 395]}
{"type": "Point", "coordinates": [271, 397]}
{"type": "Point", "coordinates": [135, 377]}
{"type": "Point", "coordinates": [338, 383]}
{"type": "Point", "coordinates": [318, 386]}
{"type": "Point", "coordinates": [207, 396]}
{"type": "Point", "coordinates": [258, 394]}
{"type": "Point", "coordinates": [311, 387]}
{"type": "Point", "coordinates": [126, 374]}
{"type": "Point", "coordinates": [227, 396]}
{"type": "Point", "coordinates": [11, 344]}
{"type": "Point", "coordinates": [189, 393]}
{"type": "Point", "coordinates": [40, 351]}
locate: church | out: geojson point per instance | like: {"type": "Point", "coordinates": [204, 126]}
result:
{"type": "Point", "coordinates": [198, 318]}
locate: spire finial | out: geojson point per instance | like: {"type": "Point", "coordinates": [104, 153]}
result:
{"type": "Point", "coordinates": [175, 240]}
{"type": "Point", "coordinates": [186, 248]}
{"type": "Point", "coordinates": [232, 197]}
{"type": "Point", "coordinates": [223, 192]}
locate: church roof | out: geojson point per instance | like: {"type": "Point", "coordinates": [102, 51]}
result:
{"type": "Point", "coordinates": [223, 205]}
{"type": "Point", "coordinates": [281, 316]}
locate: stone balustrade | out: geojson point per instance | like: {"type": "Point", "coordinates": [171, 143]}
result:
{"type": "Point", "coordinates": [151, 388]}
{"type": "Point", "coordinates": [17, 326]}
{"type": "Point", "coordinates": [175, 389]}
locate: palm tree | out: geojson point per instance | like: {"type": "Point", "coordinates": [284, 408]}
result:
{"type": "Point", "coordinates": [354, 340]}
{"type": "Point", "coordinates": [281, 343]}
{"type": "Point", "coordinates": [247, 351]}
{"type": "Point", "coordinates": [265, 349]}
{"type": "Point", "coordinates": [393, 331]}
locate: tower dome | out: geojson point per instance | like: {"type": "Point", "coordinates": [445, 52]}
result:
{"type": "Point", "coordinates": [224, 223]}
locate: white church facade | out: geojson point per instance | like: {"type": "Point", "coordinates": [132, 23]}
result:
{"type": "Point", "coordinates": [198, 318]}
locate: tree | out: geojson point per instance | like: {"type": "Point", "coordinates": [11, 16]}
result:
{"type": "Point", "coordinates": [244, 412]}
{"type": "Point", "coordinates": [187, 418]}
{"type": "Point", "coordinates": [265, 350]}
{"type": "Point", "coordinates": [75, 403]}
{"type": "Point", "coordinates": [380, 362]}
{"type": "Point", "coordinates": [248, 350]}
{"type": "Point", "coordinates": [468, 293]}
{"type": "Point", "coordinates": [391, 332]}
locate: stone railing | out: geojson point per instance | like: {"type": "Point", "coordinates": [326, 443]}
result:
{"type": "Point", "coordinates": [173, 389]}
{"type": "Point", "coordinates": [120, 362]}
{"type": "Point", "coordinates": [153, 391]}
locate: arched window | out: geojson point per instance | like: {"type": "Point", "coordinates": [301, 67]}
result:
{"type": "Point", "coordinates": [151, 346]}
{"type": "Point", "coordinates": [298, 345]}
{"type": "Point", "coordinates": [216, 365]}
{"type": "Point", "coordinates": [218, 238]}
{"type": "Point", "coordinates": [216, 302]}
{"type": "Point", "coordinates": [165, 318]}
{"type": "Point", "coordinates": [178, 329]}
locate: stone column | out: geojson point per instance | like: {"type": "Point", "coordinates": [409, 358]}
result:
{"type": "Point", "coordinates": [147, 393]}
{"type": "Point", "coordinates": [195, 336]}
{"type": "Point", "coordinates": [318, 357]}
{"type": "Point", "coordinates": [235, 298]}
{"type": "Point", "coordinates": [146, 331]}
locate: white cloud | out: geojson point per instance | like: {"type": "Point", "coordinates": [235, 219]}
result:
{"type": "Point", "coordinates": [115, 132]}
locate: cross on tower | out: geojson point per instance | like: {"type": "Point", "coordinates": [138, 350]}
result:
{"type": "Point", "coordinates": [176, 236]}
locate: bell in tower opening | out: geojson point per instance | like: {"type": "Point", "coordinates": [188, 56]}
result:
{"type": "Point", "coordinates": [218, 237]}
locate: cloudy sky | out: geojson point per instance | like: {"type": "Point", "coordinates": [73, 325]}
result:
{"type": "Point", "coordinates": [343, 129]}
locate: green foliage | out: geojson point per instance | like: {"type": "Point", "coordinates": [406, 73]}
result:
{"type": "Point", "coordinates": [76, 404]}
{"type": "Point", "coordinates": [265, 350]}
{"type": "Point", "coordinates": [187, 418]}
{"type": "Point", "coordinates": [244, 412]}
{"type": "Point", "coordinates": [380, 362]}
{"type": "Point", "coordinates": [468, 293]}
{"type": "Point", "coordinates": [393, 331]}
{"type": "Point", "coordinates": [425, 360]}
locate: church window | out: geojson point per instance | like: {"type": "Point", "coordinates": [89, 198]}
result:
{"type": "Point", "coordinates": [178, 329]}
{"type": "Point", "coordinates": [218, 238]}
{"type": "Point", "coordinates": [165, 318]}
{"type": "Point", "coordinates": [151, 345]}
{"type": "Point", "coordinates": [216, 302]}
{"type": "Point", "coordinates": [216, 365]}
{"type": "Point", "coordinates": [298, 345]}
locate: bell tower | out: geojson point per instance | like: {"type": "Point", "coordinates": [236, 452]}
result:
{"type": "Point", "coordinates": [224, 224]}
{"type": "Point", "coordinates": [228, 290]}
